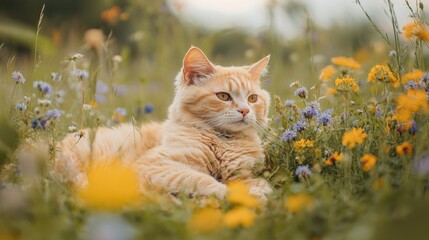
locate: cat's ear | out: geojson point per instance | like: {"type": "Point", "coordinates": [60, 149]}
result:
{"type": "Point", "coordinates": [259, 68]}
{"type": "Point", "coordinates": [196, 66]}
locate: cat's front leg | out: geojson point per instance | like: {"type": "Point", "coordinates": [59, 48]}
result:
{"type": "Point", "coordinates": [177, 177]}
{"type": "Point", "coordinates": [259, 188]}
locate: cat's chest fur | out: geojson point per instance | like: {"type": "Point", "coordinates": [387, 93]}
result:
{"type": "Point", "coordinates": [225, 156]}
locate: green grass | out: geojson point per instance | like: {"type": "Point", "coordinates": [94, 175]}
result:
{"type": "Point", "coordinates": [390, 201]}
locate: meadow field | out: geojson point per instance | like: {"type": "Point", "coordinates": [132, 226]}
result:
{"type": "Point", "coordinates": [347, 147]}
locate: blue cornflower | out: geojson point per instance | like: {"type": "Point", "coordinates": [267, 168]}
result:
{"type": "Point", "coordinates": [101, 87]}
{"type": "Point", "coordinates": [121, 111]}
{"type": "Point", "coordinates": [44, 87]}
{"type": "Point", "coordinates": [80, 73]}
{"type": "Point", "coordinates": [54, 113]}
{"type": "Point", "coordinates": [413, 129]}
{"type": "Point", "coordinates": [378, 112]}
{"type": "Point", "coordinates": [288, 135]}
{"type": "Point", "coordinates": [39, 123]}
{"type": "Point", "coordinates": [289, 102]}
{"type": "Point", "coordinates": [148, 108]}
{"type": "Point", "coordinates": [303, 171]}
{"type": "Point", "coordinates": [56, 76]}
{"type": "Point", "coordinates": [315, 104]}
{"type": "Point", "coordinates": [18, 77]}
{"type": "Point", "coordinates": [299, 126]}
{"type": "Point", "coordinates": [309, 112]}
{"type": "Point", "coordinates": [21, 106]}
{"type": "Point", "coordinates": [301, 92]}
{"type": "Point", "coordinates": [325, 118]}
{"type": "Point", "coordinates": [411, 85]}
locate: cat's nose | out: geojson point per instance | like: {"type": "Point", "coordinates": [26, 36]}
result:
{"type": "Point", "coordinates": [243, 111]}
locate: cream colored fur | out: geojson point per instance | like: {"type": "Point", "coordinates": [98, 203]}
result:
{"type": "Point", "coordinates": [204, 144]}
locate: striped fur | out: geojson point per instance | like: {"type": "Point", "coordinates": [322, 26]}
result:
{"type": "Point", "coordinates": [204, 144]}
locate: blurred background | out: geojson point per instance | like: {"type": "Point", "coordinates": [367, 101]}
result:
{"type": "Point", "coordinates": [151, 38]}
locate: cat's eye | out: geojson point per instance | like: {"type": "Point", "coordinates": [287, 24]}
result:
{"type": "Point", "coordinates": [224, 96]}
{"type": "Point", "coordinates": [252, 98]}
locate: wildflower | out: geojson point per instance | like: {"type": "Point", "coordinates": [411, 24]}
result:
{"type": "Point", "coordinates": [356, 135]}
{"type": "Point", "coordinates": [302, 143]}
{"type": "Point", "coordinates": [113, 14]}
{"type": "Point", "coordinates": [331, 91]}
{"type": "Point", "coordinates": [416, 30]}
{"type": "Point", "coordinates": [309, 112]}
{"type": "Point", "coordinates": [94, 38]}
{"type": "Point", "coordinates": [334, 158]}
{"type": "Point", "coordinates": [238, 193]}
{"type": "Point", "coordinates": [301, 92]}
{"type": "Point", "coordinates": [101, 87]}
{"type": "Point", "coordinates": [76, 56]}
{"type": "Point", "coordinates": [411, 85]}
{"type": "Point", "coordinates": [39, 123]}
{"type": "Point", "coordinates": [327, 72]}
{"type": "Point", "coordinates": [117, 59]}
{"type": "Point", "coordinates": [120, 90]}
{"type": "Point", "coordinates": [239, 216]}
{"type": "Point", "coordinates": [54, 113]}
{"type": "Point", "coordinates": [409, 103]}
{"type": "Point", "coordinates": [346, 62]}
{"type": "Point", "coordinates": [56, 76]}
{"type": "Point", "coordinates": [392, 53]}
{"type": "Point", "coordinates": [21, 106]}
{"type": "Point", "coordinates": [18, 77]}
{"type": "Point", "coordinates": [415, 76]}
{"type": "Point", "coordinates": [382, 73]}
{"type": "Point", "coordinates": [325, 118]}
{"type": "Point", "coordinates": [346, 84]}
{"type": "Point", "coordinates": [289, 102]}
{"type": "Point", "coordinates": [148, 108]}
{"type": "Point", "coordinates": [368, 161]}
{"type": "Point", "coordinates": [288, 135]}
{"type": "Point", "coordinates": [413, 128]}
{"type": "Point", "coordinates": [404, 148]}
{"type": "Point", "coordinates": [43, 87]}
{"type": "Point", "coordinates": [72, 128]}
{"type": "Point", "coordinates": [298, 202]}
{"type": "Point", "coordinates": [303, 171]}
{"type": "Point", "coordinates": [80, 73]}
{"type": "Point", "coordinates": [87, 107]}
{"type": "Point", "coordinates": [205, 220]}
{"type": "Point", "coordinates": [110, 186]}
{"type": "Point", "coordinates": [299, 126]}
{"type": "Point", "coordinates": [315, 104]}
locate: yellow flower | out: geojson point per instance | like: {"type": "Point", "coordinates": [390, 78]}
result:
{"type": "Point", "coordinates": [368, 161]}
{"type": "Point", "coordinates": [356, 135]}
{"type": "Point", "coordinates": [346, 84]}
{"type": "Point", "coordinates": [239, 216]}
{"type": "Point", "coordinates": [331, 91]}
{"type": "Point", "coordinates": [327, 72]}
{"type": "Point", "coordinates": [404, 148]}
{"type": "Point", "coordinates": [302, 143]}
{"type": "Point", "coordinates": [345, 62]}
{"type": "Point", "coordinates": [238, 193]}
{"type": "Point", "coordinates": [415, 76]}
{"type": "Point", "coordinates": [110, 186]}
{"type": "Point", "coordinates": [334, 158]}
{"type": "Point", "coordinates": [417, 30]}
{"type": "Point", "coordinates": [410, 102]}
{"type": "Point", "coordinates": [297, 202]}
{"type": "Point", "coordinates": [205, 220]}
{"type": "Point", "coordinates": [93, 104]}
{"type": "Point", "coordinates": [382, 73]}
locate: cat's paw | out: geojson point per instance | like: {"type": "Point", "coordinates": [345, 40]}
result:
{"type": "Point", "coordinates": [218, 190]}
{"type": "Point", "coordinates": [261, 191]}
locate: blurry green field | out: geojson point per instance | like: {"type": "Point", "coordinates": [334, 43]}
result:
{"type": "Point", "coordinates": [348, 155]}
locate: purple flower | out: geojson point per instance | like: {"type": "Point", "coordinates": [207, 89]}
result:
{"type": "Point", "coordinates": [101, 87]}
{"type": "Point", "coordinates": [80, 73]}
{"type": "Point", "coordinates": [148, 108]}
{"type": "Point", "coordinates": [39, 123]}
{"type": "Point", "coordinates": [289, 102]}
{"type": "Point", "coordinates": [301, 92]}
{"type": "Point", "coordinates": [299, 126]}
{"type": "Point", "coordinates": [54, 113]}
{"type": "Point", "coordinates": [121, 111]}
{"type": "Point", "coordinates": [413, 129]}
{"type": "Point", "coordinates": [325, 118]}
{"type": "Point", "coordinates": [21, 106]}
{"type": "Point", "coordinates": [56, 76]}
{"type": "Point", "coordinates": [121, 90]}
{"type": "Point", "coordinates": [288, 135]}
{"type": "Point", "coordinates": [411, 85]}
{"type": "Point", "coordinates": [303, 171]}
{"type": "Point", "coordinates": [309, 112]}
{"type": "Point", "coordinates": [18, 77]}
{"type": "Point", "coordinates": [43, 87]}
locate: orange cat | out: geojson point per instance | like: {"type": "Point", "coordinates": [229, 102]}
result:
{"type": "Point", "coordinates": [209, 139]}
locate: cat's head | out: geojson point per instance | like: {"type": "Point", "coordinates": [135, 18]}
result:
{"type": "Point", "coordinates": [224, 98]}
